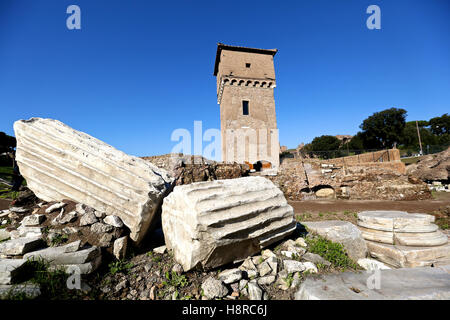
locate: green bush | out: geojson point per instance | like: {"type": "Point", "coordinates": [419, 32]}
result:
{"type": "Point", "coordinates": [333, 252]}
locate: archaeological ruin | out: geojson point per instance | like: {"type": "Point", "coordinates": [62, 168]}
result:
{"type": "Point", "coordinates": [184, 227]}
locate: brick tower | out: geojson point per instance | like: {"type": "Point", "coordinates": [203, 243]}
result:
{"type": "Point", "coordinates": [245, 83]}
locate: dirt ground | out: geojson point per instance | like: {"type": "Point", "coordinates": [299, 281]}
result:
{"type": "Point", "coordinates": [315, 210]}
{"type": "Point", "coordinates": [347, 209]}
{"type": "Point", "coordinates": [4, 204]}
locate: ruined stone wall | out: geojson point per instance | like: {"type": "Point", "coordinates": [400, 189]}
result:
{"type": "Point", "coordinates": [291, 179]}
{"type": "Point", "coordinates": [377, 156]}
{"type": "Point", "coordinates": [189, 173]}
{"type": "Point", "coordinates": [171, 161]}
{"type": "Point", "coordinates": [187, 169]}
{"type": "Point", "coordinates": [311, 178]}
{"type": "Point", "coordinates": [396, 166]}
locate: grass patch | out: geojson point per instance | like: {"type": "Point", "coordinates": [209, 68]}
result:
{"type": "Point", "coordinates": [12, 295]}
{"type": "Point", "coordinates": [8, 221]}
{"type": "Point", "coordinates": [155, 258]}
{"type": "Point", "coordinates": [331, 251]}
{"type": "Point", "coordinates": [58, 239]}
{"type": "Point", "coordinates": [434, 194]}
{"type": "Point", "coordinates": [289, 279]}
{"type": "Point", "coordinates": [408, 161]}
{"type": "Point", "coordinates": [6, 173]}
{"type": "Point", "coordinates": [6, 194]}
{"type": "Point", "coordinates": [175, 280]}
{"type": "Point", "coordinates": [52, 283]}
{"type": "Point", "coordinates": [443, 223]}
{"type": "Point", "coordinates": [120, 266]}
{"type": "Point", "coordinates": [303, 217]}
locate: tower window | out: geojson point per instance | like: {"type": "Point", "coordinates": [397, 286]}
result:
{"type": "Point", "coordinates": [247, 65]}
{"type": "Point", "coordinates": [245, 108]}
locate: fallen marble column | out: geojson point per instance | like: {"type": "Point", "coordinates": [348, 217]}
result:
{"type": "Point", "coordinates": [425, 239]}
{"type": "Point", "coordinates": [209, 224]}
{"type": "Point", "coordinates": [409, 257]}
{"type": "Point", "coordinates": [396, 221]}
{"type": "Point", "coordinates": [403, 239]}
{"type": "Point", "coordinates": [59, 163]}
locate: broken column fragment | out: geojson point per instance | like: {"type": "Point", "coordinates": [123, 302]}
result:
{"type": "Point", "coordinates": [209, 224]}
{"type": "Point", "coordinates": [404, 240]}
{"type": "Point", "coordinates": [59, 163]}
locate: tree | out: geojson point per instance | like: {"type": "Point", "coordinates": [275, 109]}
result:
{"type": "Point", "coordinates": [7, 143]}
{"type": "Point", "coordinates": [410, 138]}
{"type": "Point", "coordinates": [384, 128]}
{"type": "Point", "coordinates": [440, 125]}
{"type": "Point", "coordinates": [324, 146]}
{"type": "Point", "coordinates": [357, 142]}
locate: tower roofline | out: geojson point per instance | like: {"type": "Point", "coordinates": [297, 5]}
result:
{"type": "Point", "coordinates": [221, 46]}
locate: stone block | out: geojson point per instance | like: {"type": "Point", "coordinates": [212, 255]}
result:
{"type": "Point", "coordinates": [20, 246]}
{"type": "Point", "coordinates": [401, 284]}
{"type": "Point", "coordinates": [216, 222]}
{"type": "Point", "coordinates": [342, 232]}
{"type": "Point", "coordinates": [10, 269]}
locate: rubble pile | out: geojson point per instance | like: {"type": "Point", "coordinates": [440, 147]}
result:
{"type": "Point", "coordinates": [433, 167]}
{"type": "Point", "coordinates": [171, 161]}
{"type": "Point", "coordinates": [272, 273]}
{"type": "Point", "coordinates": [311, 179]}
{"type": "Point", "coordinates": [258, 276]}
{"type": "Point", "coordinates": [57, 223]}
{"type": "Point", "coordinates": [186, 169]}
{"type": "Point", "coordinates": [190, 173]}
{"type": "Point", "coordinates": [291, 179]}
{"type": "Point", "coordinates": [68, 235]}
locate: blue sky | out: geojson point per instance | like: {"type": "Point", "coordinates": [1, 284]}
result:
{"type": "Point", "coordinates": [139, 69]}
